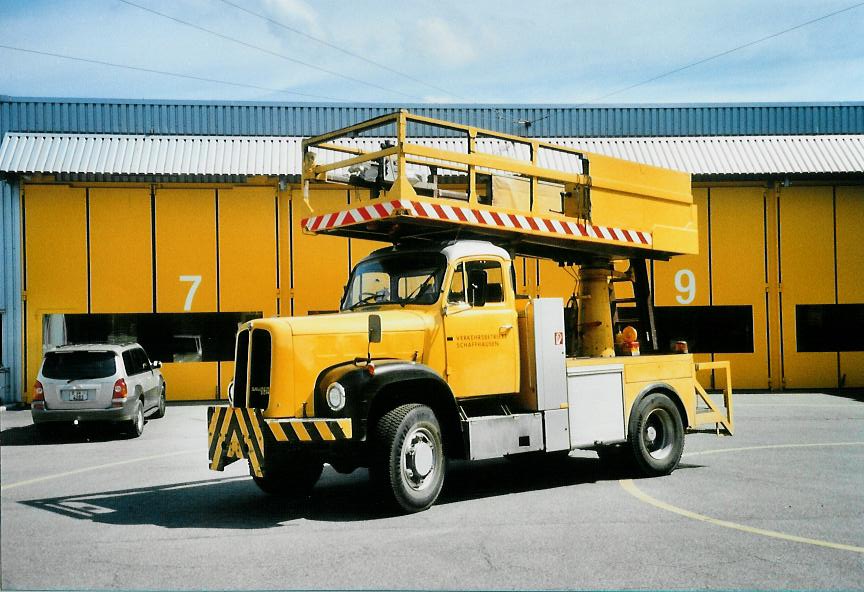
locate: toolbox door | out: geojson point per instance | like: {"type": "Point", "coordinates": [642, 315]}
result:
{"type": "Point", "coordinates": [596, 404]}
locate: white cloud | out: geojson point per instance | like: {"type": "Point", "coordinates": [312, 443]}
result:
{"type": "Point", "coordinates": [294, 13]}
{"type": "Point", "coordinates": [440, 41]}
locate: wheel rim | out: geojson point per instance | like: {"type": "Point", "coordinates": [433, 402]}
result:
{"type": "Point", "coordinates": [658, 434]}
{"type": "Point", "coordinates": [419, 459]}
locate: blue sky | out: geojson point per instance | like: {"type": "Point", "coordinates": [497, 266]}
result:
{"type": "Point", "coordinates": [482, 51]}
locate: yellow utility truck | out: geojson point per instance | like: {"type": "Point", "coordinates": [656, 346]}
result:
{"type": "Point", "coordinates": [434, 354]}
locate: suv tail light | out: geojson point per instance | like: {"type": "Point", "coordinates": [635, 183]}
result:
{"type": "Point", "coordinates": [120, 393]}
{"type": "Point", "coordinates": [38, 396]}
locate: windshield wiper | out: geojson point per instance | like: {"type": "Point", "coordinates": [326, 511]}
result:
{"type": "Point", "coordinates": [365, 300]}
{"type": "Point", "coordinates": [82, 378]}
{"type": "Point", "coordinates": [417, 290]}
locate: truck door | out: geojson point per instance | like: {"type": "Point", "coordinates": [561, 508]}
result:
{"type": "Point", "coordinates": [482, 342]}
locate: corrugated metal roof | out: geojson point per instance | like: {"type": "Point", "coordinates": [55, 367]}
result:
{"type": "Point", "coordinates": [112, 116]}
{"type": "Point", "coordinates": [736, 155]}
{"type": "Point", "coordinates": [148, 155]}
{"type": "Point", "coordinates": [238, 155]}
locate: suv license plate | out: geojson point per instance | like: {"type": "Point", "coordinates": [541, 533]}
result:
{"type": "Point", "coordinates": [78, 396]}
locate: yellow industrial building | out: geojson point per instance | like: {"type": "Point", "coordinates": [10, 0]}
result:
{"type": "Point", "coordinates": [170, 223]}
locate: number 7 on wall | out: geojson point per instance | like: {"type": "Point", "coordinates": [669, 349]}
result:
{"type": "Point", "coordinates": [196, 281]}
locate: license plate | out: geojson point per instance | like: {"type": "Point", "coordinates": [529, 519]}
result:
{"type": "Point", "coordinates": [78, 396]}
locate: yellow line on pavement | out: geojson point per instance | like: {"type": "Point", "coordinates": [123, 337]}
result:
{"type": "Point", "coordinates": [771, 447]}
{"type": "Point", "coordinates": [630, 487]}
{"type": "Point", "coordinates": [93, 468]}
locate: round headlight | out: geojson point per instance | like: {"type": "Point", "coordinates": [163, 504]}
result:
{"type": "Point", "coordinates": [336, 396]}
{"type": "Point", "coordinates": [231, 393]}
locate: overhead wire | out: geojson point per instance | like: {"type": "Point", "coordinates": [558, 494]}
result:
{"type": "Point", "coordinates": [347, 52]}
{"type": "Point", "coordinates": [267, 51]}
{"type": "Point", "coordinates": [167, 73]}
{"type": "Point", "coordinates": [725, 53]}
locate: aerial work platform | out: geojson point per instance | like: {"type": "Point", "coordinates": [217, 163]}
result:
{"type": "Point", "coordinates": [434, 180]}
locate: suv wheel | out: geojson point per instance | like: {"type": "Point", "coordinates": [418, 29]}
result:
{"type": "Point", "coordinates": [160, 409]}
{"type": "Point", "coordinates": [135, 426]}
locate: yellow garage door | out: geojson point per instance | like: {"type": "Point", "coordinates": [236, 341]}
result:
{"type": "Point", "coordinates": [850, 281]}
{"type": "Point", "coordinates": [285, 236]}
{"type": "Point", "coordinates": [186, 280]}
{"type": "Point", "coordinates": [121, 256]}
{"type": "Point", "coordinates": [555, 281]}
{"type": "Point", "coordinates": [55, 265]}
{"type": "Point", "coordinates": [807, 280]}
{"type": "Point", "coordinates": [248, 272]}
{"type": "Point", "coordinates": [682, 293]}
{"type": "Point", "coordinates": [320, 263]}
{"type": "Point", "coordinates": [739, 278]}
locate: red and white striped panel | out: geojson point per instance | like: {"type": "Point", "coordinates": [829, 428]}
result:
{"type": "Point", "coordinates": [474, 216]}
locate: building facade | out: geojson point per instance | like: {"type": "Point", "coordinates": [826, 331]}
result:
{"type": "Point", "coordinates": [170, 222]}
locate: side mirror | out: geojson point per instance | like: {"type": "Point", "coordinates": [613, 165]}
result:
{"type": "Point", "coordinates": [156, 364]}
{"type": "Point", "coordinates": [374, 328]}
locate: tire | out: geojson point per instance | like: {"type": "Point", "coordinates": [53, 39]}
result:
{"type": "Point", "coordinates": [135, 426]}
{"type": "Point", "coordinates": [656, 436]}
{"type": "Point", "coordinates": [160, 409]}
{"type": "Point", "coordinates": [292, 478]}
{"type": "Point", "coordinates": [408, 460]}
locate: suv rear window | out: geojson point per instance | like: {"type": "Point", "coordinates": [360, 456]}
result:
{"type": "Point", "coordinates": [79, 364]}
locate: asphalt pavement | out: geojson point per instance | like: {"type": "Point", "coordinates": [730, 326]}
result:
{"type": "Point", "coordinates": [777, 506]}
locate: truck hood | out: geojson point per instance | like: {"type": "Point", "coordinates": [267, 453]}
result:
{"type": "Point", "coordinates": [392, 321]}
{"type": "Point", "coordinates": [306, 346]}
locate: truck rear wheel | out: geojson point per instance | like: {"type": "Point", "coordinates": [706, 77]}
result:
{"type": "Point", "coordinates": [409, 456]}
{"type": "Point", "coordinates": [294, 478]}
{"type": "Point", "coordinates": [656, 435]}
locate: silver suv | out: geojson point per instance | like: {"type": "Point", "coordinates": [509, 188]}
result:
{"type": "Point", "coordinates": [89, 382]}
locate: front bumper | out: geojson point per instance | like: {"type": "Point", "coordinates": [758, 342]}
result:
{"type": "Point", "coordinates": [235, 433]}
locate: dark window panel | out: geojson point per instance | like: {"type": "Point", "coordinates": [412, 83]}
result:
{"type": "Point", "coordinates": [706, 329]}
{"type": "Point", "coordinates": [829, 327]}
{"type": "Point", "coordinates": [168, 337]}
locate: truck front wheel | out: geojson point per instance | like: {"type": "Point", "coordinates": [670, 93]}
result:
{"type": "Point", "coordinates": [409, 453]}
{"type": "Point", "coordinates": [656, 435]}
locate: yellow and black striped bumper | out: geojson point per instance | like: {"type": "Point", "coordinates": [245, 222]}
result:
{"type": "Point", "coordinates": [310, 430]}
{"type": "Point", "coordinates": [234, 433]}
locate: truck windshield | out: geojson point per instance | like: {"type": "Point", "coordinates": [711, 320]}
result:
{"type": "Point", "coordinates": [398, 278]}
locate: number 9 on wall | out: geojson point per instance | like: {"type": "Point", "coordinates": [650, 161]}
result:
{"type": "Point", "coordinates": [685, 283]}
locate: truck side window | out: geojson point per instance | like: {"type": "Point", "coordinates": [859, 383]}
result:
{"type": "Point", "coordinates": [484, 284]}
{"type": "Point", "coordinates": [457, 286]}
{"type": "Point", "coordinates": [494, 281]}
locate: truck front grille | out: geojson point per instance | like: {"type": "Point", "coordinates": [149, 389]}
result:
{"type": "Point", "coordinates": [259, 369]}
{"type": "Point", "coordinates": [241, 359]}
